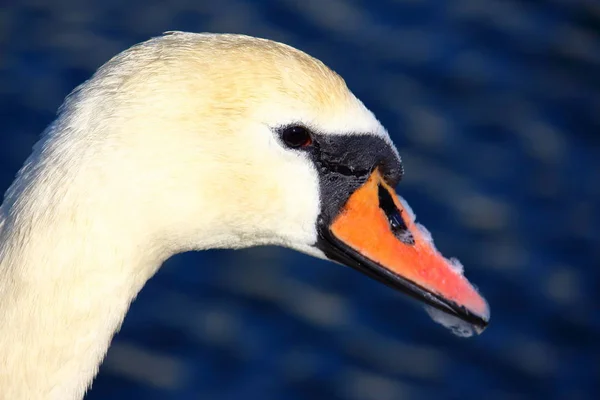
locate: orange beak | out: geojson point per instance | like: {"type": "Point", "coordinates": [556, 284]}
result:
{"type": "Point", "coordinates": [376, 234]}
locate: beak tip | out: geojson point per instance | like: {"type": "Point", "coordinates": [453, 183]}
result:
{"type": "Point", "coordinates": [480, 320]}
{"type": "Point", "coordinates": [478, 314]}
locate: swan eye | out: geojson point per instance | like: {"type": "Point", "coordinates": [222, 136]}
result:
{"type": "Point", "coordinates": [296, 137]}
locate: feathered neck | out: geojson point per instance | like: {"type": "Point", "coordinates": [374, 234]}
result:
{"type": "Point", "coordinates": [74, 252]}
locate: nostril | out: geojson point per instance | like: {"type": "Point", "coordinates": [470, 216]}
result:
{"type": "Point", "coordinates": [397, 224]}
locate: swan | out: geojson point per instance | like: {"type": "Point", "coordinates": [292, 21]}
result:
{"type": "Point", "coordinates": [189, 142]}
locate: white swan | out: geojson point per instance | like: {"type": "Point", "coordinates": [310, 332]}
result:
{"type": "Point", "coordinates": [189, 142]}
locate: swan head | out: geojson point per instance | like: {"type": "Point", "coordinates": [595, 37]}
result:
{"type": "Point", "coordinates": [230, 141]}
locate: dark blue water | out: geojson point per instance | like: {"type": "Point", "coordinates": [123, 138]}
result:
{"type": "Point", "coordinates": [495, 107]}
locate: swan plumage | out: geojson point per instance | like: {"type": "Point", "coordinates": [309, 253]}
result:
{"type": "Point", "coordinates": [170, 146]}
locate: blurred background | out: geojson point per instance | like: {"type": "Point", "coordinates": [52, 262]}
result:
{"type": "Point", "coordinates": [495, 107]}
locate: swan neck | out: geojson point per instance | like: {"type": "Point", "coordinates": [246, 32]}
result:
{"type": "Point", "coordinates": [66, 282]}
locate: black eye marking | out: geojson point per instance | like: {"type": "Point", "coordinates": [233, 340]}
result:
{"type": "Point", "coordinates": [343, 161]}
{"type": "Point", "coordinates": [296, 136]}
{"type": "Point", "coordinates": [397, 224]}
{"type": "Point", "coordinates": [332, 166]}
